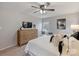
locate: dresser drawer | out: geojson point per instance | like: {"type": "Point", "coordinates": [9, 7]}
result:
{"type": "Point", "coordinates": [24, 36]}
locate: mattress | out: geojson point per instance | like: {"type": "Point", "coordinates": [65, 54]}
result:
{"type": "Point", "coordinates": [41, 46]}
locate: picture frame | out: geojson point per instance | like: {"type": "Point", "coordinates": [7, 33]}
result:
{"type": "Point", "coordinates": [61, 23]}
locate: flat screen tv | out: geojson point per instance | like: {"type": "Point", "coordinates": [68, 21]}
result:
{"type": "Point", "coordinates": [27, 24]}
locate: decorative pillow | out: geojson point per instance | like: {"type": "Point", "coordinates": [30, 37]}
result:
{"type": "Point", "coordinates": [51, 38]}
{"type": "Point", "coordinates": [65, 36]}
{"type": "Point", "coordinates": [59, 35]}
{"type": "Point", "coordinates": [75, 35]}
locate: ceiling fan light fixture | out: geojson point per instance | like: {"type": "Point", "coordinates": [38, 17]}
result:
{"type": "Point", "coordinates": [42, 11]}
{"type": "Point", "coordinates": [45, 6]}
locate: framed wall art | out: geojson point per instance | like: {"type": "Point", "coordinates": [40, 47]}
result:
{"type": "Point", "coordinates": [61, 23]}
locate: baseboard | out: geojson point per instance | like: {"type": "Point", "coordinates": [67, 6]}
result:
{"type": "Point", "coordinates": [7, 47]}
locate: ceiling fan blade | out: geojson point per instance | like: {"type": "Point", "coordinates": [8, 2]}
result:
{"type": "Point", "coordinates": [49, 9]}
{"type": "Point", "coordinates": [47, 3]}
{"type": "Point", "coordinates": [35, 7]}
{"type": "Point", "coordinates": [36, 11]}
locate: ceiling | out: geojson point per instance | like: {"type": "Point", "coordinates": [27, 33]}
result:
{"type": "Point", "coordinates": [25, 9]}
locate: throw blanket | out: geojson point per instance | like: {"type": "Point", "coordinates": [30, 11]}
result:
{"type": "Point", "coordinates": [57, 38]}
{"type": "Point", "coordinates": [60, 41]}
{"type": "Point", "coordinates": [71, 44]}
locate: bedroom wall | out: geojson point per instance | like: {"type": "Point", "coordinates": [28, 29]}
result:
{"type": "Point", "coordinates": [70, 19]}
{"type": "Point", "coordinates": [10, 22]}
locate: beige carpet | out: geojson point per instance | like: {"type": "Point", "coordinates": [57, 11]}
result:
{"type": "Point", "coordinates": [19, 51]}
{"type": "Point", "coordinates": [14, 51]}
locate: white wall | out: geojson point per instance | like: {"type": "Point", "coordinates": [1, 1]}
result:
{"type": "Point", "coordinates": [10, 22]}
{"type": "Point", "coordinates": [70, 19]}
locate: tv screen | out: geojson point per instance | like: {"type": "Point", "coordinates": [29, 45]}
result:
{"type": "Point", "coordinates": [27, 24]}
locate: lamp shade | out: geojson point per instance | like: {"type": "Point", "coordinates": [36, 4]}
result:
{"type": "Point", "coordinates": [75, 27]}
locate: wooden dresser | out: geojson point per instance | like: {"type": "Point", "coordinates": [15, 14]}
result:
{"type": "Point", "coordinates": [23, 36]}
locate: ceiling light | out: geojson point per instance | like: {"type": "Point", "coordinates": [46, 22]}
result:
{"type": "Point", "coordinates": [44, 6]}
{"type": "Point", "coordinates": [42, 11]}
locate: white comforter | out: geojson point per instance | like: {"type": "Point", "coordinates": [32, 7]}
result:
{"type": "Point", "coordinates": [41, 46]}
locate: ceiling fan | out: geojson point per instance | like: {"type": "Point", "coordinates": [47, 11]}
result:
{"type": "Point", "coordinates": [43, 8]}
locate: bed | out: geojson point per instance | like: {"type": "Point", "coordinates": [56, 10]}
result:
{"type": "Point", "coordinates": [41, 46]}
